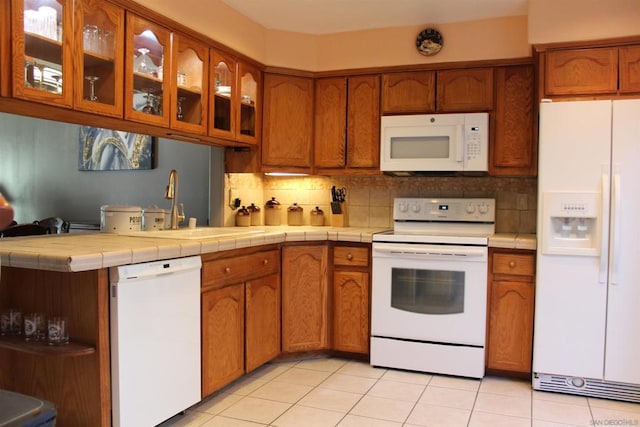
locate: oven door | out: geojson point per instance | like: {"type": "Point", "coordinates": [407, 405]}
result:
{"type": "Point", "coordinates": [429, 293]}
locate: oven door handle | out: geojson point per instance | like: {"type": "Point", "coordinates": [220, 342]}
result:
{"type": "Point", "coordinates": [398, 250]}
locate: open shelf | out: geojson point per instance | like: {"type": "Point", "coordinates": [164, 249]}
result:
{"type": "Point", "coordinates": [73, 349]}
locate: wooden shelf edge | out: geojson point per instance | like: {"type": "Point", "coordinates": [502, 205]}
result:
{"type": "Point", "coordinates": [73, 349]}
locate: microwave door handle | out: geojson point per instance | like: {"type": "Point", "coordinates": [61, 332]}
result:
{"type": "Point", "coordinates": [459, 144]}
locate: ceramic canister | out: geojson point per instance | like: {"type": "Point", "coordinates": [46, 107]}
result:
{"type": "Point", "coordinates": [316, 217]}
{"type": "Point", "coordinates": [255, 214]}
{"type": "Point", "coordinates": [153, 218]}
{"type": "Point", "coordinates": [243, 217]}
{"type": "Point", "coordinates": [294, 215]}
{"type": "Point", "coordinates": [272, 212]}
{"type": "Point", "coordinates": [120, 219]}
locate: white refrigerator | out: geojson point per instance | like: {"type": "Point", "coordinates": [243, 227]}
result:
{"type": "Point", "coordinates": [587, 309]}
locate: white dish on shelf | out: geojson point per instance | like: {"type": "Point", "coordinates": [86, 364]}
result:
{"type": "Point", "coordinates": [223, 90]}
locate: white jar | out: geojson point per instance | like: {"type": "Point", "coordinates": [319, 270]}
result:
{"type": "Point", "coordinates": [153, 218]}
{"type": "Point", "coordinates": [120, 219]}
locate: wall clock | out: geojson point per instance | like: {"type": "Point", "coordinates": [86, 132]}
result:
{"type": "Point", "coordinates": [429, 42]}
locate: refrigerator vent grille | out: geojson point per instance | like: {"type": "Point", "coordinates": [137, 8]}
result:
{"type": "Point", "coordinates": [591, 387]}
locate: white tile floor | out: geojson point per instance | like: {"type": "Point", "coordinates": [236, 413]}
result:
{"type": "Point", "coordinates": [337, 392]}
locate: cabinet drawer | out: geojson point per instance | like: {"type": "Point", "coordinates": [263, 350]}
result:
{"type": "Point", "coordinates": [226, 271]}
{"type": "Point", "coordinates": [351, 256]}
{"type": "Point", "coordinates": [521, 265]}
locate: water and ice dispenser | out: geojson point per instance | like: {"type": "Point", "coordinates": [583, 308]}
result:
{"type": "Point", "coordinates": [571, 223]}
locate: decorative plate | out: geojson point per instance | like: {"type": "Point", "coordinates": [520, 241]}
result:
{"type": "Point", "coordinates": [429, 42]}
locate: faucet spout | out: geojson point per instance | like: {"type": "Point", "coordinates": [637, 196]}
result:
{"type": "Point", "coordinates": [172, 194]}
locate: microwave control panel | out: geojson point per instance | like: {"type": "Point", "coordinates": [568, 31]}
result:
{"type": "Point", "coordinates": [476, 141]}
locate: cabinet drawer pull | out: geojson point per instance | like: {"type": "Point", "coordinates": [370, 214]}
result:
{"type": "Point", "coordinates": [227, 270]}
{"type": "Point", "coordinates": [265, 261]}
{"type": "Point", "coordinates": [512, 264]}
{"type": "Point", "coordinates": [349, 257]}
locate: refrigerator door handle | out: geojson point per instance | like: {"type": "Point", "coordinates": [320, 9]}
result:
{"type": "Point", "coordinates": [604, 239]}
{"type": "Point", "coordinates": [615, 229]}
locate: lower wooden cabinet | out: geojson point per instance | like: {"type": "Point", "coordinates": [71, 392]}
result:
{"type": "Point", "coordinates": [305, 298]}
{"type": "Point", "coordinates": [240, 314]}
{"type": "Point", "coordinates": [511, 302]}
{"type": "Point", "coordinates": [262, 321]}
{"type": "Point", "coordinates": [351, 296]}
{"type": "Point", "coordinates": [222, 337]}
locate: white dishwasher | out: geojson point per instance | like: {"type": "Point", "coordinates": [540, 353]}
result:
{"type": "Point", "coordinates": [155, 340]}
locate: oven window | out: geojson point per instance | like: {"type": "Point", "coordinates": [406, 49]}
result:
{"type": "Point", "coordinates": [427, 291]}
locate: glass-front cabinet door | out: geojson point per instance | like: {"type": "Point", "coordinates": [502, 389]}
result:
{"type": "Point", "coordinates": [42, 31]}
{"type": "Point", "coordinates": [191, 83]}
{"type": "Point", "coordinates": [224, 102]}
{"type": "Point", "coordinates": [147, 57]}
{"type": "Point", "coordinates": [99, 53]}
{"type": "Point", "coordinates": [249, 115]}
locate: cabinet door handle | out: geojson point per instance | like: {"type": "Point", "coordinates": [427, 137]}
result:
{"type": "Point", "coordinates": [265, 261]}
{"type": "Point", "coordinates": [512, 264]}
{"type": "Point", "coordinates": [349, 257]}
{"type": "Point", "coordinates": [227, 270]}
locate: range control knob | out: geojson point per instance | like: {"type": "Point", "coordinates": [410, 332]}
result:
{"type": "Point", "coordinates": [415, 208]}
{"type": "Point", "coordinates": [483, 208]}
{"type": "Point", "coordinates": [471, 208]}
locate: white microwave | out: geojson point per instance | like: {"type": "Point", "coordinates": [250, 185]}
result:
{"type": "Point", "coordinates": [434, 143]}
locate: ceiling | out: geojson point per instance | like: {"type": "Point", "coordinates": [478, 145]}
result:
{"type": "Point", "coordinates": [335, 16]}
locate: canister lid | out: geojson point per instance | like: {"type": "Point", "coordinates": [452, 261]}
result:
{"type": "Point", "coordinates": [272, 204]}
{"type": "Point", "coordinates": [295, 208]}
{"type": "Point", "coordinates": [120, 208]}
{"type": "Point", "coordinates": [153, 209]}
{"type": "Point", "coordinates": [253, 208]}
{"type": "Point", "coordinates": [317, 211]}
{"type": "Point", "coordinates": [243, 211]}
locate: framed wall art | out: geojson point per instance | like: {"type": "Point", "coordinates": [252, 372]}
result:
{"type": "Point", "coordinates": [102, 149]}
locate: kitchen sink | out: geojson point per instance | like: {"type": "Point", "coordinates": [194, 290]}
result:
{"type": "Point", "coordinates": [196, 233]}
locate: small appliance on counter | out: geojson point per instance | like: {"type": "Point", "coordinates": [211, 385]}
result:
{"type": "Point", "coordinates": [120, 218]}
{"type": "Point", "coordinates": [153, 218]}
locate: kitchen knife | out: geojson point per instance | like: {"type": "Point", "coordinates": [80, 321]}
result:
{"type": "Point", "coordinates": [336, 209]}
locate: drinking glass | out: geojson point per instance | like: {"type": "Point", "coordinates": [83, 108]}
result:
{"type": "Point", "coordinates": [34, 327]}
{"type": "Point", "coordinates": [144, 66]}
{"type": "Point", "coordinates": [92, 87]}
{"type": "Point", "coordinates": [57, 330]}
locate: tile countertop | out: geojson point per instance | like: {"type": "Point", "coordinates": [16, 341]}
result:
{"type": "Point", "coordinates": [91, 251]}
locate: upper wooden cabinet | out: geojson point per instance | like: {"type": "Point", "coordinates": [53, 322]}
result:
{"type": "Point", "coordinates": [444, 91]}
{"type": "Point", "coordinates": [581, 71]}
{"type": "Point", "coordinates": [288, 123]}
{"type": "Point", "coordinates": [409, 93]}
{"type": "Point", "coordinates": [513, 150]}
{"type": "Point", "coordinates": [224, 95]}
{"type": "Point", "coordinates": [599, 71]}
{"type": "Point", "coordinates": [98, 77]}
{"type": "Point", "coordinates": [190, 88]}
{"type": "Point", "coordinates": [347, 124]}
{"type": "Point", "coordinates": [464, 90]}
{"type": "Point", "coordinates": [249, 104]}
{"type": "Point", "coordinates": [147, 72]}
{"type": "Point", "coordinates": [629, 60]}
{"type": "Point", "coordinates": [42, 39]}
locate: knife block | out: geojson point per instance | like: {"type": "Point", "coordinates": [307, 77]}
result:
{"type": "Point", "coordinates": [341, 219]}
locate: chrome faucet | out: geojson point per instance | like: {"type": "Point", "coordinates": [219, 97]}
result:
{"type": "Point", "coordinates": [172, 194]}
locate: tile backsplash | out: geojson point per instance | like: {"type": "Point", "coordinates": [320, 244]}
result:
{"type": "Point", "coordinates": [370, 198]}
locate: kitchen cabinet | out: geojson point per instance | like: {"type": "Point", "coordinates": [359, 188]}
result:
{"type": "Point", "coordinates": [629, 59]}
{"type": "Point", "coordinates": [76, 376]}
{"type": "Point", "coordinates": [288, 123]}
{"type": "Point", "coordinates": [305, 298]}
{"type": "Point", "coordinates": [464, 90]}
{"type": "Point", "coordinates": [42, 35]}
{"type": "Point", "coordinates": [222, 337]}
{"type": "Point", "coordinates": [510, 320]}
{"type": "Point", "coordinates": [148, 71]}
{"type": "Point", "coordinates": [351, 291]}
{"type": "Point", "coordinates": [443, 91]}
{"type": "Point", "coordinates": [411, 92]}
{"type": "Point", "coordinates": [190, 85]}
{"type": "Point", "coordinates": [347, 124]}
{"type": "Point", "coordinates": [224, 96]}
{"type": "Point", "coordinates": [249, 103]}
{"type": "Point", "coordinates": [240, 313]}
{"type": "Point", "coordinates": [98, 82]}
{"type": "Point", "coordinates": [602, 71]}
{"type": "Point", "coordinates": [513, 150]}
